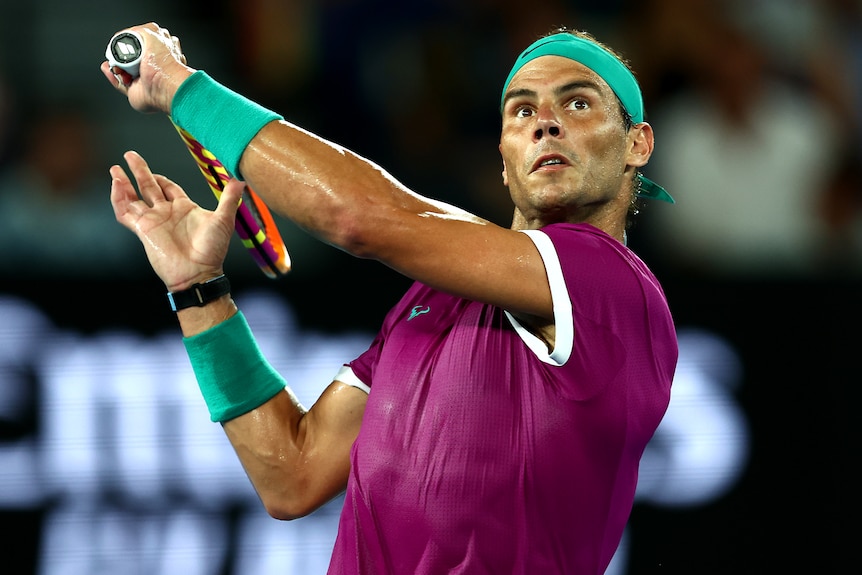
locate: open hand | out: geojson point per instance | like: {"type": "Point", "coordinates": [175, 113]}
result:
{"type": "Point", "coordinates": [184, 242]}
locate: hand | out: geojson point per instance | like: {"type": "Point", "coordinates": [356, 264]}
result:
{"type": "Point", "coordinates": [163, 68]}
{"type": "Point", "coordinates": [184, 242]}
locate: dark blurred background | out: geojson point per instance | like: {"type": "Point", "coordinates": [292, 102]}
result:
{"type": "Point", "coordinates": [756, 109]}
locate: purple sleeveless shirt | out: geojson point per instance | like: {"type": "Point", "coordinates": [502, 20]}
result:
{"type": "Point", "coordinates": [481, 451]}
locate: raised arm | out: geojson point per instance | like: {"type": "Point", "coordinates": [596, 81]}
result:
{"type": "Point", "coordinates": [346, 200]}
{"type": "Point", "coordinates": [350, 202]}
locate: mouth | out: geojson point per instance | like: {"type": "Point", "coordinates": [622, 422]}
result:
{"type": "Point", "coordinates": [550, 162]}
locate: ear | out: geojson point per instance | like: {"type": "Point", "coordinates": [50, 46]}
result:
{"type": "Point", "coordinates": [641, 143]}
{"type": "Point", "coordinates": [505, 175]}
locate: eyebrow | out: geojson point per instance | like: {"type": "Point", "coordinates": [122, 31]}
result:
{"type": "Point", "coordinates": [559, 91]}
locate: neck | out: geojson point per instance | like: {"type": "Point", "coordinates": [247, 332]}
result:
{"type": "Point", "coordinates": [611, 222]}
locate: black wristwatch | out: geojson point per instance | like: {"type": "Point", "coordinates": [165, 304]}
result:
{"type": "Point", "coordinates": [199, 294]}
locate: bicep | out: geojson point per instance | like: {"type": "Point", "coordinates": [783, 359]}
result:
{"type": "Point", "coordinates": [327, 433]}
{"type": "Point", "coordinates": [473, 259]}
{"type": "Point", "coordinates": [352, 203]}
{"type": "Point", "coordinates": [332, 423]}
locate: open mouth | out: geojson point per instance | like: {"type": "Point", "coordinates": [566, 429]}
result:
{"type": "Point", "coordinates": [549, 162]}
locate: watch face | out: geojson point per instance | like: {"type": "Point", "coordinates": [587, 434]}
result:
{"type": "Point", "coordinates": [126, 48]}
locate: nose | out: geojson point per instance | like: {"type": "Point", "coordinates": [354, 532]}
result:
{"type": "Point", "coordinates": [548, 125]}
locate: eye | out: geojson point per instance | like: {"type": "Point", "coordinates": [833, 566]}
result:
{"type": "Point", "coordinates": [579, 104]}
{"type": "Point", "coordinates": [523, 112]}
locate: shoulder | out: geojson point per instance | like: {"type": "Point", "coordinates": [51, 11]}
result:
{"type": "Point", "coordinates": [590, 261]}
{"type": "Point", "coordinates": [584, 246]}
{"type": "Point", "coordinates": [581, 233]}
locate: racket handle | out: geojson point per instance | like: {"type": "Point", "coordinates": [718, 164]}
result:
{"type": "Point", "coordinates": [261, 238]}
{"type": "Point", "coordinates": [124, 51]}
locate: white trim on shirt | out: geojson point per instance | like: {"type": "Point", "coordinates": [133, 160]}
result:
{"type": "Point", "coordinates": [563, 320]}
{"type": "Point", "coordinates": [346, 376]}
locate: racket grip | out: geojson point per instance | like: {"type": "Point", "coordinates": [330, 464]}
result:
{"type": "Point", "coordinates": [124, 51]}
{"type": "Point", "coordinates": [254, 223]}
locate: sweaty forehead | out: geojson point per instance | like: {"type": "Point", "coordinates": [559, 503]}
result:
{"type": "Point", "coordinates": [585, 52]}
{"type": "Point", "coordinates": [556, 73]}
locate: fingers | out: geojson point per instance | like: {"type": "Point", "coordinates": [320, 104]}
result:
{"type": "Point", "coordinates": [123, 195]}
{"type": "Point", "coordinates": [153, 187]}
{"type": "Point", "coordinates": [149, 188]}
{"type": "Point", "coordinates": [170, 189]}
{"type": "Point", "coordinates": [179, 50]}
{"type": "Point", "coordinates": [114, 76]}
{"type": "Point", "coordinates": [156, 76]}
{"type": "Point", "coordinates": [123, 79]}
{"type": "Point", "coordinates": [171, 42]}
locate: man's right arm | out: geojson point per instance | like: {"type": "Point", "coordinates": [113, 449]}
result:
{"type": "Point", "coordinates": [338, 196]}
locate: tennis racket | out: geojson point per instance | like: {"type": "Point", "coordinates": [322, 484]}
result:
{"type": "Point", "coordinates": [254, 222]}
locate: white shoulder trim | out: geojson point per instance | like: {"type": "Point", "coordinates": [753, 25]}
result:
{"type": "Point", "coordinates": [563, 320]}
{"type": "Point", "coordinates": [346, 376]}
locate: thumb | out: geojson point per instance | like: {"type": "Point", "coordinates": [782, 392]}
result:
{"type": "Point", "coordinates": [228, 203]}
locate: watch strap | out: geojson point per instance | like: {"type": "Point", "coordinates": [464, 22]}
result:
{"type": "Point", "coordinates": [199, 294]}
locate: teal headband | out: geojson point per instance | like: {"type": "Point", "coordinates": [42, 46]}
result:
{"type": "Point", "coordinates": [594, 57]}
{"type": "Point", "coordinates": [609, 68]}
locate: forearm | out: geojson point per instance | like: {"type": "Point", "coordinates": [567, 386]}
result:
{"type": "Point", "coordinates": [232, 373]}
{"type": "Point", "coordinates": [338, 196]}
{"type": "Point", "coordinates": [259, 413]}
{"type": "Point", "coordinates": [292, 473]}
{"type": "Point", "coordinates": [296, 459]}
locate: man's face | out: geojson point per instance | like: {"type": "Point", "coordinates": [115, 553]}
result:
{"type": "Point", "coordinates": [563, 141]}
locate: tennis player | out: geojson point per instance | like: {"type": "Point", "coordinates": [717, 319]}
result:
{"type": "Point", "coordinates": [496, 422]}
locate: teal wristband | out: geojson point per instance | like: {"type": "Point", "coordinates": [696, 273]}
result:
{"type": "Point", "coordinates": [222, 120]}
{"type": "Point", "coordinates": [232, 373]}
